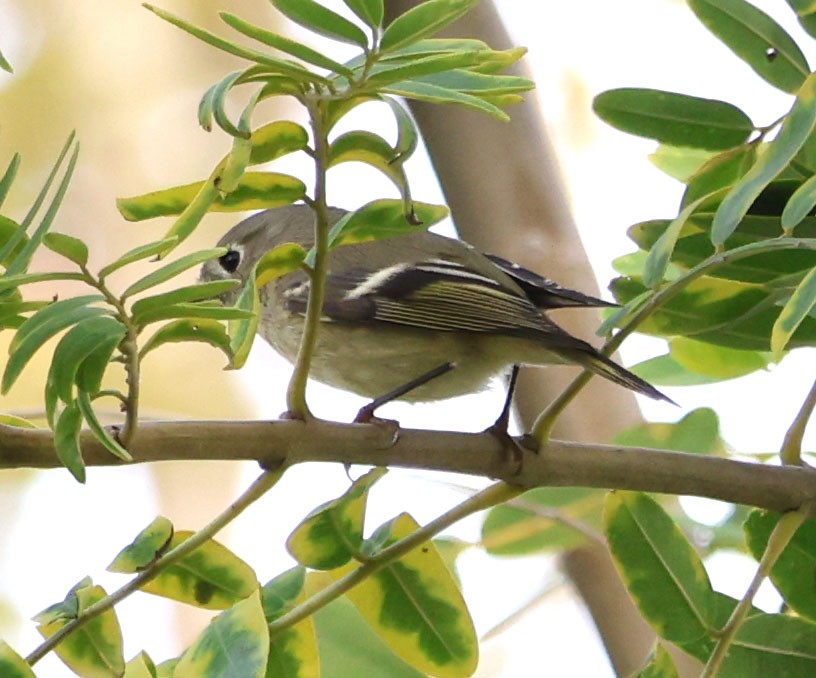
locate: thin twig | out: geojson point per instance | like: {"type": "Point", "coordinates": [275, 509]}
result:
{"type": "Point", "coordinates": [255, 491]}
{"type": "Point", "coordinates": [791, 452]}
{"type": "Point", "coordinates": [490, 496]}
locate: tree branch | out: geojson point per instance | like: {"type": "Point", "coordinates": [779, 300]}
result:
{"type": "Point", "coordinates": [561, 464]}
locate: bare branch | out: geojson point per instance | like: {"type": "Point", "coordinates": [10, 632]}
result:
{"type": "Point", "coordinates": [562, 464]}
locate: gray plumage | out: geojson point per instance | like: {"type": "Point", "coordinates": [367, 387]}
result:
{"type": "Point", "coordinates": [395, 309]}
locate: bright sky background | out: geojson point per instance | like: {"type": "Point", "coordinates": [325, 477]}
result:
{"type": "Point", "coordinates": [576, 51]}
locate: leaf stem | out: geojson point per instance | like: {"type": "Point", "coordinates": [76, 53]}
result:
{"type": "Point", "coordinates": [542, 429]}
{"type": "Point", "coordinates": [791, 452]}
{"type": "Point", "coordinates": [254, 492]}
{"type": "Point", "coordinates": [779, 539]}
{"type": "Point", "coordinates": [490, 496]}
{"type": "Point", "coordinates": [296, 392]}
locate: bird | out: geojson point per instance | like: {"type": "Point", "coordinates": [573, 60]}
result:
{"type": "Point", "coordinates": [419, 317]}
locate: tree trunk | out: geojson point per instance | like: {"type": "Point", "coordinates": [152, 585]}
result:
{"type": "Point", "coordinates": [503, 186]}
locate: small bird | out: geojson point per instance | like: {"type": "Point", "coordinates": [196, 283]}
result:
{"type": "Point", "coordinates": [421, 317]}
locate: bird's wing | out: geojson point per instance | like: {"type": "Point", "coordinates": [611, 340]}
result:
{"type": "Point", "coordinates": [437, 295]}
{"type": "Point", "coordinates": [543, 292]}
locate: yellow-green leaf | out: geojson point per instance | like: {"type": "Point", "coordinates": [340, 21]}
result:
{"type": "Point", "coordinates": [795, 310]}
{"type": "Point", "coordinates": [332, 534]}
{"type": "Point", "coordinates": [283, 259]}
{"type": "Point", "coordinates": [95, 649]}
{"type": "Point", "coordinates": [212, 576]}
{"type": "Point", "coordinates": [12, 665]}
{"type": "Point", "coordinates": [236, 643]}
{"type": "Point", "coordinates": [141, 666]}
{"type": "Point", "coordinates": [797, 127]}
{"type": "Point", "coordinates": [416, 607]}
{"type": "Point", "coordinates": [292, 651]}
{"type": "Point", "coordinates": [276, 139]}
{"type": "Point", "coordinates": [255, 190]}
{"type": "Point", "coordinates": [664, 574]}
{"type": "Point", "coordinates": [203, 330]}
{"type": "Point", "coordinates": [149, 544]}
{"type": "Point", "coordinates": [543, 519]}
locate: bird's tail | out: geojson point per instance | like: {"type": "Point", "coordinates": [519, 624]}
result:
{"type": "Point", "coordinates": [601, 365]}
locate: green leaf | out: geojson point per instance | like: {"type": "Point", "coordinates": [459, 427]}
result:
{"type": "Point", "coordinates": [796, 128]}
{"type": "Point", "coordinates": [89, 336]}
{"type": "Point", "coordinates": [171, 270]}
{"type": "Point", "coordinates": [800, 205]}
{"type": "Point", "coordinates": [421, 22]}
{"type": "Point", "coordinates": [722, 312]}
{"type": "Point", "coordinates": [367, 147]}
{"type": "Point", "coordinates": [680, 162]}
{"type": "Point", "coordinates": [66, 441]}
{"type": "Point", "coordinates": [698, 432]}
{"type": "Point", "coordinates": [210, 332]}
{"type": "Point", "coordinates": [283, 44]}
{"type": "Point", "coordinates": [198, 311]}
{"type": "Point", "coordinates": [5, 65]}
{"type": "Point", "coordinates": [654, 270]}
{"type": "Point", "coordinates": [370, 11]}
{"type": "Point", "coordinates": [480, 84]}
{"type": "Point", "coordinates": [772, 645]}
{"type": "Point", "coordinates": [322, 21]}
{"type": "Point", "coordinates": [332, 534]}
{"type": "Point", "coordinates": [148, 545]}
{"type": "Point", "coordinates": [423, 91]}
{"type": "Point", "coordinates": [716, 363]}
{"type": "Point", "coordinates": [383, 219]}
{"type": "Point", "coordinates": [8, 177]}
{"type": "Point", "coordinates": [390, 72]}
{"type": "Point", "coordinates": [664, 370]}
{"type": "Point", "coordinates": [659, 664]}
{"type": "Point", "coordinates": [407, 133]}
{"type": "Point", "coordinates": [721, 171]}
{"type": "Point", "coordinates": [663, 573]}
{"type": "Point", "coordinates": [211, 577]}
{"type": "Point", "coordinates": [772, 267]}
{"type": "Point", "coordinates": [110, 443]}
{"type": "Point", "coordinates": [757, 39]}
{"type": "Point", "coordinates": [292, 651]}
{"type": "Point", "coordinates": [288, 68]}
{"type": "Point", "coordinates": [793, 572]}
{"type": "Point", "coordinates": [415, 606]}
{"type": "Point", "coordinates": [11, 231]}
{"type": "Point", "coordinates": [543, 519]}
{"type": "Point", "coordinates": [94, 649]}
{"type": "Point", "coordinates": [279, 595]}
{"type": "Point", "coordinates": [342, 632]}
{"type": "Point", "coordinates": [796, 309]}
{"type": "Point", "coordinates": [43, 325]}
{"type": "Point", "coordinates": [69, 247]}
{"type": "Point", "coordinates": [806, 13]}
{"type": "Point", "coordinates": [20, 263]}
{"type": "Point", "coordinates": [139, 253]}
{"type": "Point", "coordinates": [12, 665]}
{"type": "Point", "coordinates": [141, 666]}
{"type": "Point", "coordinates": [189, 293]}
{"type": "Point", "coordinates": [676, 119]}
{"type": "Point", "coordinates": [277, 139]}
{"type": "Point", "coordinates": [255, 190]}
{"type": "Point", "coordinates": [235, 643]}
{"type": "Point", "coordinates": [241, 332]}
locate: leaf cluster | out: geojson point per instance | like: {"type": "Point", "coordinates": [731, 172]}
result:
{"type": "Point", "coordinates": [735, 265]}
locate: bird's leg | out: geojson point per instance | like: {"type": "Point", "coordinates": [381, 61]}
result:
{"type": "Point", "coordinates": [499, 427]}
{"type": "Point", "coordinates": [366, 413]}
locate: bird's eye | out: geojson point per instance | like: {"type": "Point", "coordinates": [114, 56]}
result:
{"type": "Point", "coordinates": [229, 261]}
